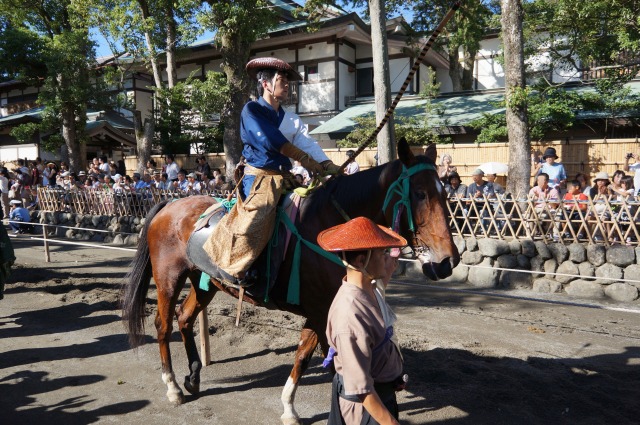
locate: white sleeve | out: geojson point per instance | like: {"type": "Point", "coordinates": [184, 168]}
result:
{"type": "Point", "coordinates": [297, 133]}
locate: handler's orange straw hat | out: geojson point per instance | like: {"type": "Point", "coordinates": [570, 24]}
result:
{"type": "Point", "coordinates": [359, 234]}
{"type": "Point", "coordinates": [258, 64]}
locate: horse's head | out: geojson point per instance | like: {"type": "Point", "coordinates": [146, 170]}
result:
{"type": "Point", "coordinates": [429, 231]}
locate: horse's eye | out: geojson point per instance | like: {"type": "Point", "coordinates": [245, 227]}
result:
{"type": "Point", "coordinates": [421, 195]}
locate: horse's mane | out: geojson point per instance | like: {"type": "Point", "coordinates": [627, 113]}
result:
{"type": "Point", "coordinates": [358, 188]}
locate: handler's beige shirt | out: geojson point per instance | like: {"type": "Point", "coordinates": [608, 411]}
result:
{"type": "Point", "coordinates": [355, 327]}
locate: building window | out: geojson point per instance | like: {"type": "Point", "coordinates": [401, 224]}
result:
{"type": "Point", "coordinates": [364, 82]}
{"type": "Point", "coordinates": [311, 73]}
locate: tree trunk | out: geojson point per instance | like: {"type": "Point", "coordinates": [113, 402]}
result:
{"type": "Point", "coordinates": [235, 55]}
{"type": "Point", "coordinates": [516, 112]}
{"type": "Point", "coordinates": [70, 137]}
{"type": "Point", "coordinates": [144, 139]}
{"type": "Point", "coordinates": [455, 71]}
{"type": "Point", "coordinates": [381, 80]}
{"type": "Point", "coordinates": [170, 50]}
{"type": "Point", "coordinates": [468, 65]}
{"type": "Point", "coordinates": [153, 58]}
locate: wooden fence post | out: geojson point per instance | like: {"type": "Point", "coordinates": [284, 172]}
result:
{"type": "Point", "coordinates": [205, 348]}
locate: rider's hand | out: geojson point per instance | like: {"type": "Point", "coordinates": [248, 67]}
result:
{"type": "Point", "coordinates": [330, 168]}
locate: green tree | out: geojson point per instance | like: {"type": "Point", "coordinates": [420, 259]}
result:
{"type": "Point", "coordinates": [49, 43]}
{"type": "Point", "coordinates": [151, 32]}
{"type": "Point", "coordinates": [463, 33]}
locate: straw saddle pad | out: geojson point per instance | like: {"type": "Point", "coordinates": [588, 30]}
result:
{"type": "Point", "coordinates": [242, 234]}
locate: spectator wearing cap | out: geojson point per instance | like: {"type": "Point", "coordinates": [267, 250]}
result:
{"type": "Point", "coordinates": [20, 214]}
{"type": "Point", "coordinates": [193, 184]}
{"type": "Point", "coordinates": [478, 192]}
{"type": "Point", "coordinates": [82, 176]}
{"type": "Point", "coordinates": [118, 185]}
{"type": "Point", "coordinates": [352, 166]}
{"type": "Point", "coordinates": [138, 183]}
{"type": "Point", "coordinates": [600, 195]}
{"type": "Point", "coordinates": [555, 171]}
{"type": "Point", "coordinates": [479, 189]}
{"type": "Point", "coordinates": [360, 326]}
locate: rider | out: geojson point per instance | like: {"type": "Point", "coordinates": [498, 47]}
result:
{"type": "Point", "coordinates": [363, 348]}
{"type": "Point", "coordinates": [271, 136]}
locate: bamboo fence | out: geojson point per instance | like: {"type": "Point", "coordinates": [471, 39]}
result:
{"type": "Point", "coordinates": [605, 220]}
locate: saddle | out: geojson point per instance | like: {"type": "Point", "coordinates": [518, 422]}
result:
{"type": "Point", "coordinates": [261, 276]}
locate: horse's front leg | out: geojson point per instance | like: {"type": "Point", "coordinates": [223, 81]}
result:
{"type": "Point", "coordinates": [306, 346]}
{"type": "Point", "coordinates": [186, 313]}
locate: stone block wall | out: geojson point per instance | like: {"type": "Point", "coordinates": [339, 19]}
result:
{"type": "Point", "coordinates": [583, 271]}
{"type": "Point", "coordinates": [120, 231]}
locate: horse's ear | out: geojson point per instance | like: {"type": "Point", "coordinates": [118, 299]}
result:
{"type": "Point", "coordinates": [404, 152]}
{"type": "Point", "coordinates": [430, 152]}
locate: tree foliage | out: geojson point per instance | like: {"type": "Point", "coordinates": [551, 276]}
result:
{"type": "Point", "coordinates": [47, 44]}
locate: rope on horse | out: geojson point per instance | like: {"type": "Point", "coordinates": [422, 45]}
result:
{"type": "Point", "coordinates": [407, 81]}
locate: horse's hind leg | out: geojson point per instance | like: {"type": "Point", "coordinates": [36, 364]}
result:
{"type": "Point", "coordinates": [167, 298]}
{"type": "Point", "coordinates": [306, 346]}
{"type": "Point", "coordinates": [186, 313]}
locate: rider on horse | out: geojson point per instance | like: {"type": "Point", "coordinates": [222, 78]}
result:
{"type": "Point", "coordinates": [271, 136]}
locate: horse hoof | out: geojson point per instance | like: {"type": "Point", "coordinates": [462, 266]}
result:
{"type": "Point", "coordinates": [289, 420]}
{"type": "Point", "coordinates": [176, 398]}
{"type": "Point", "coordinates": [192, 389]}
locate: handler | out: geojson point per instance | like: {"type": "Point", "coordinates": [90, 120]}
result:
{"type": "Point", "coordinates": [367, 358]}
{"type": "Point", "coordinates": [270, 136]}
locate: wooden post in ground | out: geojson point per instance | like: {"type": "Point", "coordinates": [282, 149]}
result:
{"type": "Point", "coordinates": [47, 257]}
{"type": "Point", "coordinates": [205, 349]}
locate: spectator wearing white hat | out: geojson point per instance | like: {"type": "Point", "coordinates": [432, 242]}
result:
{"type": "Point", "coordinates": [193, 184]}
{"type": "Point", "coordinates": [20, 214]}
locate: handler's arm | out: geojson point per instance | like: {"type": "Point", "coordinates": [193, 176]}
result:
{"type": "Point", "coordinates": [377, 409]}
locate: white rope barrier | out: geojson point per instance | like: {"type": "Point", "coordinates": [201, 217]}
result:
{"type": "Point", "coordinates": [542, 272]}
{"type": "Point", "coordinates": [85, 229]}
{"type": "Point", "coordinates": [84, 244]}
{"type": "Point", "coordinates": [519, 297]}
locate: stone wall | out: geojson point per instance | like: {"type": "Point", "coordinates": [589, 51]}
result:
{"type": "Point", "coordinates": [589, 264]}
{"type": "Point", "coordinates": [121, 231]}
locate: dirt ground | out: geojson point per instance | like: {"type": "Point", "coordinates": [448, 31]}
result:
{"type": "Point", "coordinates": [489, 357]}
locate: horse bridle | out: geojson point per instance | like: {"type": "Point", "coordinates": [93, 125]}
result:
{"type": "Point", "coordinates": [402, 188]}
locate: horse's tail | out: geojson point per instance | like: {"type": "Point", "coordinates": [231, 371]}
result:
{"type": "Point", "coordinates": [134, 291]}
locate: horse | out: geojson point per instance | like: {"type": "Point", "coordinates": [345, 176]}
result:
{"type": "Point", "coordinates": [161, 254]}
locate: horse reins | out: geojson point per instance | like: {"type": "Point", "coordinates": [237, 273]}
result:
{"type": "Point", "coordinates": [406, 83]}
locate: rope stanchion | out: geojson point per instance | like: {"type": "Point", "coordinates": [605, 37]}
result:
{"type": "Point", "coordinates": [406, 83]}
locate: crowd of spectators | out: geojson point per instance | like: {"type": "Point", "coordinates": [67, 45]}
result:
{"type": "Point", "coordinates": [581, 202]}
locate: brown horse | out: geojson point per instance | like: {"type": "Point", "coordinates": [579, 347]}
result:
{"type": "Point", "coordinates": [162, 254]}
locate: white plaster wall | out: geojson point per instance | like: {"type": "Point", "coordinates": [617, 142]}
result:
{"type": "Point", "coordinates": [326, 70]}
{"type": "Point", "coordinates": [316, 97]}
{"type": "Point", "coordinates": [13, 152]}
{"type": "Point", "coordinates": [347, 84]}
{"type": "Point", "coordinates": [489, 72]}
{"type": "Point", "coordinates": [424, 78]}
{"type": "Point", "coordinates": [398, 70]}
{"type": "Point", "coordinates": [144, 103]}
{"type": "Point", "coordinates": [442, 77]}
{"type": "Point", "coordinates": [363, 52]}
{"type": "Point", "coordinates": [213, 65]}
{"type": "Point", "coordinates": [316, 51]}
{"type": "Point", "coordinates": [347, 53]}
{"type": "Point", "coordinates": [185, 71]}
{"type": "Point", "coordinates": [284, 54]}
